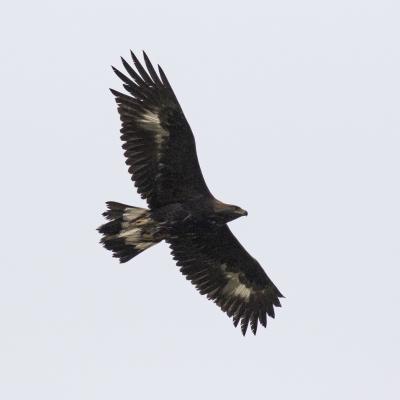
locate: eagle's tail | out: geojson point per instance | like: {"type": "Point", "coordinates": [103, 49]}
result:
{"type": "Point", "coordinates": [129, 231]}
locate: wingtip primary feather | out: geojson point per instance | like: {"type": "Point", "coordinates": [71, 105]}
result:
{"type": "Point", "coordinates": [254, 322]}
{"type": "Point", "coordinates": [277, 303]}
{"type": "Point", "coordinates": [134, 75]}
{"type": "Point", "coordinates": [263, 319]}
{"type": "Point", "coordinates": [163, 76]}
{"type": "Point", "coordinates": [132, 54]}
{"type": "Point", "coordinates": [151, 70]}
{"type": "Point", "coordinates": [143, 73]}
{"type": "Point", "coordinates": [122, 76]}
{"type": "Point", "coordinates": [165, 82]}
{"type": "Point", "coordinates": [114, 92]}
{"type": "Point", "coordinates": [243, 325]}
{"type": "Point", "coordinates": [270, 310]}
{"type": "Point", "coordinates": [279, 294]}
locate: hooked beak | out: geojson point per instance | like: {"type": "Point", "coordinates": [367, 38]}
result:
{"type": "Point", "coordinates": [241, 212]}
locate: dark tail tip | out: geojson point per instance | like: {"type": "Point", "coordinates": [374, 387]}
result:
{"type": "Point", "coordinates": [119, 249]}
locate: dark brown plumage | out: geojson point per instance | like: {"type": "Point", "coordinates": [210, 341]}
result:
{"type": "Point", "coordinates": [161, 154]}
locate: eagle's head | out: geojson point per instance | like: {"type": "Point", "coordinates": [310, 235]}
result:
{"type": "Point", "coordinates": [224, 213]}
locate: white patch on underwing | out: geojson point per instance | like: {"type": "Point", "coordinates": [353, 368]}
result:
{"type": "Point", "coordinates": [151, 117]}
{"type": "Point", "coordinates": [242, 291]}
{"type": "Point", "coordinates": [150, 121]}
{"type": "Point", "coordinates": [234, 287]}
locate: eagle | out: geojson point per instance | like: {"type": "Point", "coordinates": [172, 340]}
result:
{"type": "Point", "coordinates": [160, 151]}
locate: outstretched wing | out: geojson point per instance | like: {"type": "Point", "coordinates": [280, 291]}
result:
{"type": "Point", "coordinates": [218, 265]}
{"type": "Point", "coordinates": [158, 142]}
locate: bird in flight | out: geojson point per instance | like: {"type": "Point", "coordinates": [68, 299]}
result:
{"type": "Point", "coordinates": [160, 151]}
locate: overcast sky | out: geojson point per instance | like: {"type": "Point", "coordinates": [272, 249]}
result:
{"type": "Point", "coordinates": [295, 108]}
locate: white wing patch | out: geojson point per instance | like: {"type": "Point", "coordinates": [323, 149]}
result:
{"type": "Point", "coordinates": [151, 122]}
{"type": "Point", "coordinates": [234, 287]}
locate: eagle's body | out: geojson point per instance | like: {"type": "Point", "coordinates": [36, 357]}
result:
{"type": "Point", "coordinates": [160, 150]}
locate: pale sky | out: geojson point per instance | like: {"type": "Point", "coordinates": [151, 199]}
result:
{"type": "Point", "coordinates": [295, 109]}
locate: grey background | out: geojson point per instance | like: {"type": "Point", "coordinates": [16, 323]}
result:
{"type": "Point", "coordinates": [295, 106]}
